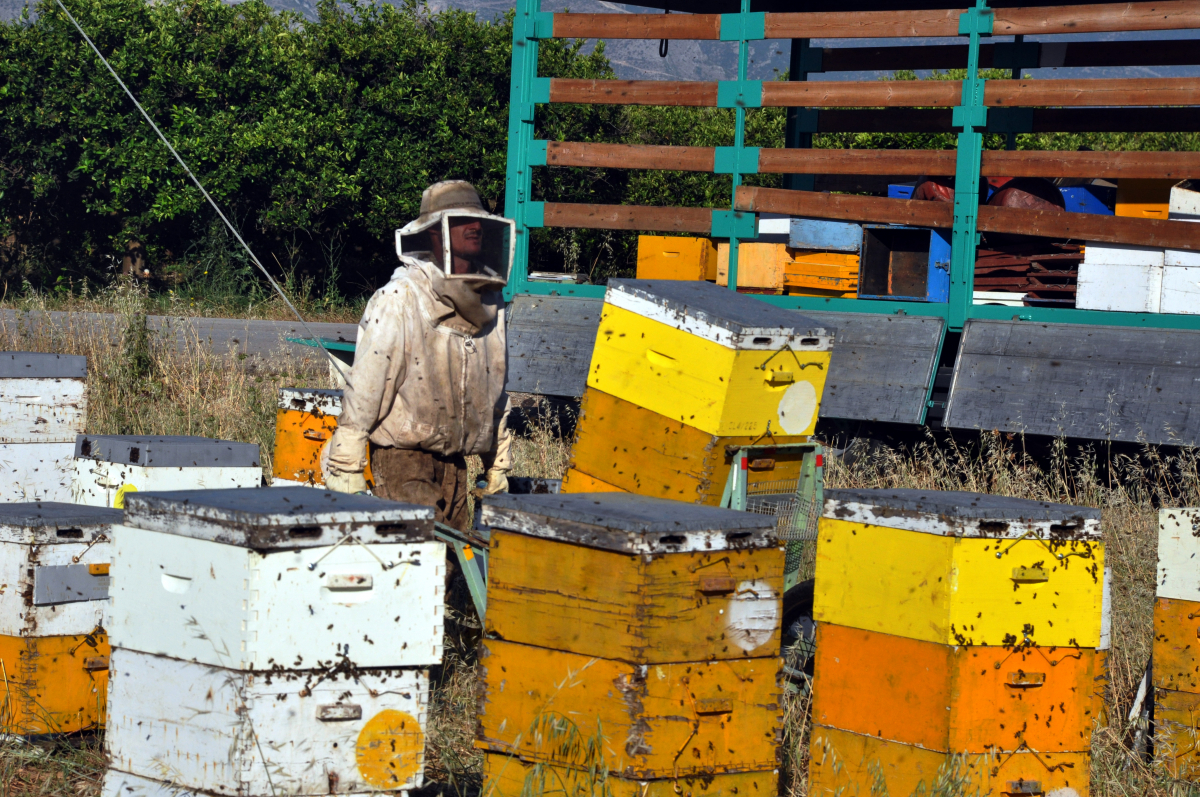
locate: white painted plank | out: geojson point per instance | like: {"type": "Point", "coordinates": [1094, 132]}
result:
{"type": "Point", "coordinates": [1181, 289]}
{"type": "Point", "coordinates": [36, 471]}
{"type": "Point", "coordinates": [42, 410]}
{"type": "Point", "coordinates": [97, 483]}
{"type": "Point", "coordinates": [1179, 554]}
{"type": "Point", "coordinates": [1106, 254]}
{"type": "Point", "coordinates": [1125, 288]}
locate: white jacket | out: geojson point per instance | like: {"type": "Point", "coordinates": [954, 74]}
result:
{"type": "Point", "coordinates": [420, 384]}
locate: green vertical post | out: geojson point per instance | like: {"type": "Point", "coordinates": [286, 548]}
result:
{"type": "Point", "coordinates": [739, 139]}
{"type": "Point", "coordinates": [971, 116]}
{"type": "Point", "coordinates": [519, 178]}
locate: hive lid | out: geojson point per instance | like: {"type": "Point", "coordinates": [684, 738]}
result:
{"type": "Point", "coordinates": [628, 523]}
{"type": "Point", "coordinates": [723, 316]}
{"type": "Point", "coordinates": [278, 517]}
{"type": "Point", "coordinates": [311, 399]}
{"type": "Point", "coordinates": [963, 514]}
{"type": "Point", "coordinates": [166, 452]}
{"type": "Point", "coordinates": [54, 522]}
{"type": "Point", "coordinates": [38, 365]}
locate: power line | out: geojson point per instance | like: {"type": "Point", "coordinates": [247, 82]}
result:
{"type": "Point", "coordinates": [333, 360]}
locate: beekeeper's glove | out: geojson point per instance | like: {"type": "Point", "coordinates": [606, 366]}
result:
{"type": "Point", "coordinates": [497, 482]}
{"type": "Point", "coordinates": [340, 482]}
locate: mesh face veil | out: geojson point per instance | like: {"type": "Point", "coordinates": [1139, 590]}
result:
{"type": "Point", "coordinates": [468, 242]}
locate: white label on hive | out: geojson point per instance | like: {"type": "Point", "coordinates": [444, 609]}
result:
{"type": "Point", "coordinates": [797, 408]}
{"type": "Point", "coordinates": [753, 615]}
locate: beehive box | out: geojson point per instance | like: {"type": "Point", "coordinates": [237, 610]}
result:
{"type": "Point", "coordinates": [43, 406]}
{"type": "Point", "coordinates": [257, 734]}
{"type": "Point", "coordinates": [676, 257]}
{"type": "Point", "coordinates": [948, 698]}
{"type": "Point", "coordinates": [631, 448]}
{"type": "Point", "coordinates": [278, 577]}
{"type": "Point", "coordinates": [1181, 267]}
{"type": "Point", "coordinates": [108, 467]}
{"type": "Point", "coordinates": [656, 720]}
{"type": "Point", "coordinates": [781, 269]}
{"type": "Point", "coordinates": [576, 481]}
{"type": "Point", "coordinates": [509, 776]}
{"type": "Point", "coordinates": [54, 563]}
{"type": "Point", "coordinates": [1177, 645]}
{"type": "Point", "coordinates": [632, 578]}
{"type": "Point", "coordinates": [960, 568]}
{"type": "Point", "coordinates": [718, 361]}
{"type": "Point", "coordinates": [844, 763]}
{"type": "Point", "coordinates": [1120, 277]}
{"type": "Point", "coordinates": [1144, 198]}
{"type": "Point", "coordinates": [304, 422]}
{"type": "Point", "coordinates": [1178, 552]}
{"type": "Point", "coordinates": [1177, 731]}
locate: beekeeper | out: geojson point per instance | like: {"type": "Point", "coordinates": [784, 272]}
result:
{"type": "Point", "coordinates": [427, 386]}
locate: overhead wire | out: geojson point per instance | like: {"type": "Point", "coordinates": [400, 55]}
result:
{"type": "Point", "coordinates": [332, 360]}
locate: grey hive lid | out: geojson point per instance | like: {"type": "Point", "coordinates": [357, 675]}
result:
{"type": "Point", "coordinates": [736, 313]}
{"type": "Point", "coordinates": [628, 523]}
{"type": "Point", "coordinates": [55, 514]}
{"type": "Point", "coordinates": [38, 365]}
{"type": "Point", "coordinates": [277, 517]}
{"type": "Point", "coordinates": [171, 451]}
{"type": "Point", "coordinates": [950, 512]}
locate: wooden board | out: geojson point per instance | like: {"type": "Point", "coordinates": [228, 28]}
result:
{"type": "Point", "coordinates": [690, 718]}
{"type": "Point", "coordinates": [550, 341]}
{"type": "Point", "coordinates": [508, 776]}
{"type": "Point", "coordinates": [1178, 549]}
{"type": "Point", "coordinates": [863, 24]}
{"type": "Point", "coordinates": [1098, 18]}
{"type": "Point", "coordinates": [1177, 645]}
{"type": "Point", "coordinates": [634, 92]}
{"type": "Point", "coordinates": [881, 366]}
{"type": "Point", "coordinates": [629, 156]}
{"type": "Point", "coordinates": [1045, 120]}
{"type": "Point", "coordinates": [957, 591]}
{"type": "Point", "coordinates": [844, 763]}
{"type": "Point", "coordinates": [1073, 92]}
{"type": "Point", "coordinates": [621, 446]}
{"type": "Point", "coordinates": [850, 208]}
{"type": "Point", "coordinates": [1169, 52]}
{"type": "Point", "coordinates": [969, 699]}
{"type": "Point", "coordinates": [637, 26]}
{"type": "Point", "coordinates": [693, 606]}
{"type": "Point", "coordinates": [864, 94]}
{"type": "Point", "coordinates": [628, 217]}
{"type": "Point", "coordinates": [1096, 382]}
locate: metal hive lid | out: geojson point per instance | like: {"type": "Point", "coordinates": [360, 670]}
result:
{"type": "Point", "coordinates": [277, 517]}
{"type": "Point", "coordinates": [39, 365]}
{"type": "Point", "coordinates": [717, 314]}
{"type": "Point", "coordinates": [953, 513]}
{"type": "Point", "coordinates": [172, 451]}
{"type": "Point", "coordinates": [44, 514]}
{"type": "Point", "coordinates": [628, 523]}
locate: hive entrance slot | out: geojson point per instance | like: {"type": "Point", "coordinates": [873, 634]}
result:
{"type": "Point", "coordinates": [305, 532]}
{"type": "Point", "coordinates": [672, 539]}
{"type": "Point", "coordinates": [70, 534]}
{"type": "Point", "coordinates": [384, 529]}
{"type": "Point", "coordinates": [993, 526]}
{"type": "Point", "coordinates": [762, 341]}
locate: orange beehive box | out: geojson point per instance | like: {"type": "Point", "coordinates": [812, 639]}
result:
{"type": "Point", "coordinates": [676, 257]}
{"type": "Point", "coordinates": [576, 481]}
{"type": "Point", "coordinates": [780, 268]}
{"type": "Point", "coordinates": [965, 699]}
{"type": "Point", "coordinates": [1176, 731]}
{"type": "Point", "coordinates": [633, 449]}
{"type": "Point", "coordinates": [844, 764]}
{"type": "Point", "coordinates": [665, 720]}
{"type": "Point", "coordinates": [1177, 645]}
{"type": "Point", "coordinates": [1144, 198]}
{"type": "Point", "coordinates": [508, 776]}
{"type": "Point", "coordinates": [53, 684]}
{"type": "Point", "coordinates": [304, 422]}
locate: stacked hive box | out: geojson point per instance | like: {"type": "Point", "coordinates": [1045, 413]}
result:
{"type": "Point", "coordinates": [1176, 649]}
{"type": "Point", "coordinates": [1181, 268]}
{"type": "Point", "coordinates": [306, 419]}
{"type": "Point", "coordinates": [270, 642]}
{"type": "Point", "coordinates": [43, 406]}
{"type": "Point", "coordinates": [633, 647]}
{"type": "Point", "coordinates": [107, 467]}
{"type": "Point", "coordinates": [676, 257]}
{"type": "Point", "coordinates": [956, 640]}
{"type": "Point", "coordinates": [54, 565]}
{"type": "Point", "coordinates": [781, 269]}
{"type": "Point", "coordinates": [680, 371]}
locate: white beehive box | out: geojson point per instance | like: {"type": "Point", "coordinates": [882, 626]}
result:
{"type": "Point", "coordinates": [109, 466]}
{"type": "Point", "coordinates": [1179, 554]}
{"type": "Point", "coordinates": [54, 567]}
{"type": "Point", "coordinates": [1181, 272]}
{"type": "Point", "coordinates": [278, 577]}
{"type": "Point", "coordinates": [1120, 277]}
{"type": "Point", "coordinates": [258, 734]}
{"type": "Point", "coordinates": [43, 406]}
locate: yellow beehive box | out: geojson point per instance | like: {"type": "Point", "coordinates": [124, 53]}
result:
{"type": "Point", "coordinates": [799, 272]}
{"type": "Point", "coordinates": [304, 421]}
{"type": "Point", "coordinates": [509, 776]}
{"type": "Point", "coordinates": [54, 684]}
{"type": "Point", "coordinates": [1177, 731]}
{"type": "Point", "coordinates": [633, 449]}
{"type": "Point", "coordinates": [576, 481]}
{"type": "Point", "coordinates": [656, 721]}
{"type": "Point", "coordinates": [843, 764]}
{"type": "Point", "coordinates": [676, 257]}
{"type": "Point", "coordinates": [1144, 198]}
{"type": "Point", "coordinates": [632, 578]}
{"type": "Point", "coordinates": [960, 568]}
{"type": "Point", "coordinates": [949, 698]}
{"type": "Point", "coordinates": [721, 362]}
{"type": "Point", "coordinates": [1176, 639]}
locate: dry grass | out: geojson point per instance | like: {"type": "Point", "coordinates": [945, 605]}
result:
{"type": "Point", "coordinates": [137, 385]}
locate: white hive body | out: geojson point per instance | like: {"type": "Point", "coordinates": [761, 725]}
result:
{"type": "Point", "coordinates": [1179, 554]}
{"type": "Point", "coordinates": [107, 467]}
{"type": "Point", "coordinates": [179, 726]}
{"type": "Point", "coordinates": [54, 563]}
{"type": "Point", "coordinates": [43, 406]}
{"type": "Point", "coordinates": [285, 577]}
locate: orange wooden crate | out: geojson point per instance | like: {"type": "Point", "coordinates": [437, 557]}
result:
{"type": "Point", "coordinates": [304, 422]}
{"type": "Point", "coordinates": [963, 699]}
{"type": "Point", "coordinates": [844, 764]}
{"type": "Point", "coordinates": [1177, 731]}
{"type": "Point", "coordinates": [1177, 645]}
{"type": "Point", "coordinates": [508, 776]}
{"type": "Point", "coordinates": [576, 481]}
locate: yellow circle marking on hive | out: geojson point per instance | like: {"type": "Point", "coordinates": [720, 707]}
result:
{"type": "Point", "coordinates": [389, 749]}
{"type": "Point", "coordinates": [119, 501]}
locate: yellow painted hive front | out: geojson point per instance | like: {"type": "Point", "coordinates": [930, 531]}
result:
{"type": "Point", "coordinates": [1176, 643]}
{"type": "Point", "coordinates": [639, 721]}
{"type": "Point", "coordinates": [1177, 732]}
{"type": "Point", "coordinates": [960, 568]}
{"type": "Point", "coordinates": [721, 362]}
{"type": "Point", "coordinates": [54, 684]}
{"type": "Point", "coordinates": [304, 422]}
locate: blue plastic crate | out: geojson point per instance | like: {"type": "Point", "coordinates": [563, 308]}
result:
{"type": "Point", "coordinates": [1096, 199]}
{"type": "Point", "coordinates": [900, 191]}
